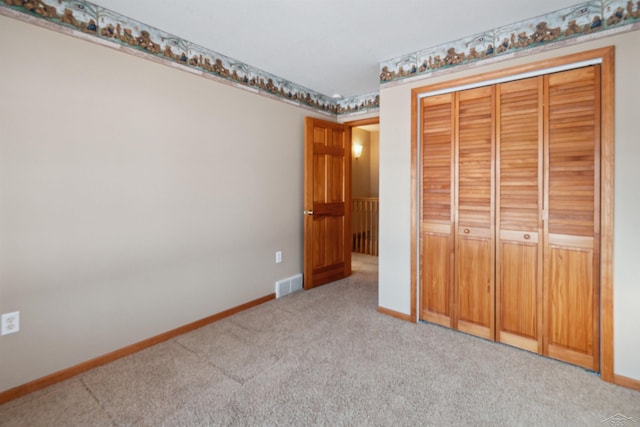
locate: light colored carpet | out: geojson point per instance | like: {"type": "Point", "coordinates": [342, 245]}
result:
{"type": "Point", "coordinates": [327, 357]}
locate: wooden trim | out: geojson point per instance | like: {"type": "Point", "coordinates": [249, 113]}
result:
{"type": "Point", "coordinates": [307, 271]}
{"type": "Point", "coordinates": [415, 187]}
{"type": "Point", "coordinates": [455, 183]}
{"type": "Point", "coordinates": [607, 146]}
{"type": "Point", "coordinates": [626, 382]}
{"type": "Point", "coordinates": [604, 53]}
{"type": "Point", "coordinates": [348, 184]}
{"type": "Point", "coordinates": [65, 374]}
{"type": "Point", "coordinates": [492, 227]}
{"type": "Point", "coordinates": [541, 220]}
{"type": "Point", "coordinates": [544, 297]}
{"type": "Point", "coordinates": [597, 342]}
{"type": "Point", "coordinates": [499, 334]}
{"type": "Point", "coordinates": [363, 122]}
{"type": "Point", "coordinates": [607, 57]}
{"type": "Point", "coordinates": [396, 314]}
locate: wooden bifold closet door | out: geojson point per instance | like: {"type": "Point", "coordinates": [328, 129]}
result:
{"type": "Point", "coordinates": [510, 213]}
{"type": "Point", "coordinates": [436, 223]}
{"type": "Point", "coordinates": [519, 211]}
{"type": "Point", "coordinates": [572, 227]}
{"type": "Point", "coordinates": [457, 214]}
{"type": "Point", "coordinates": [474, 218]}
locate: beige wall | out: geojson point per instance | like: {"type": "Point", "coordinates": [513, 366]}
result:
{"type": "Point", "coordinates": [361, 167]}
{"type": "Point", "coordinates": [365, 170]}
{"type": "Point", "coordinates": [395, 192]}
{"type": "Point", "coordinates": [374, 169]}
{"type": "Point", "coordinates": [134, 198]}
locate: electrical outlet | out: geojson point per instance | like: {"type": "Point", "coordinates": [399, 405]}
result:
{"type": "Point", "coordinates": [10, 323]}
{"type": "Point", "coordinates": [278, 257]}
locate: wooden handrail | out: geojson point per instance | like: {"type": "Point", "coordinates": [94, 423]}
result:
{"type": "Point", "coordinates": [364, 217]}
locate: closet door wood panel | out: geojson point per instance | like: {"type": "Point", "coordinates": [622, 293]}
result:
{"type": "Point", "coordinates": [519, 208]}
{"type": "Point", "coordinates": [474, 228]}
{"type": "Point", "coordinates": [571, 292]}
{"type": "Point", "coordinates": [437, 210]}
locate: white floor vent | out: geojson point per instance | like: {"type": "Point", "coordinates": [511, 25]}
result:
{"type": "Point", "coordinates": [288, 285]}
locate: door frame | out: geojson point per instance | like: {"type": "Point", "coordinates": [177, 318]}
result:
{"type": "Point", "coordinates": [604, 56]}
{"type": "Point", "coordinates": [353, 124]}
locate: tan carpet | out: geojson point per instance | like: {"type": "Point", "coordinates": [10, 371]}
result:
{"type": "Point", "coordinates": [326, 357]}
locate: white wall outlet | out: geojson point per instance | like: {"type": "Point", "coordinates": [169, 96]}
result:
{"type": "Point", "coordinates": [278, 257]}
{"type": "Point", "coordinates": [10, 323]}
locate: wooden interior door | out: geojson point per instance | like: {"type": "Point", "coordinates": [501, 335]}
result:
{"type": "Point", "coordinates": [474, 223]}
{"type": "Point", "coordinates": [519, 201]}
{"type": "Point", "coordinates": [572, 261]}
{"type": "Point", "coordinates": [327, 202]}
{"type": "Point", "coordinates": [436, 223]}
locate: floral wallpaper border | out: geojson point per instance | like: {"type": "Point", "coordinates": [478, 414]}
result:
{"type": "Point", "coordinates": [84, 19]}
{"type": "Point", "coordinates": [103, 25]}
{"type": "Point", "coordinates": [586, 18]}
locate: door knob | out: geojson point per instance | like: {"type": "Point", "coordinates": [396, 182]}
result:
{"type": "Point", "coordinates": [308, 212]}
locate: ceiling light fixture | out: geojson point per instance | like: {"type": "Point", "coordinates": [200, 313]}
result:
{"type": "Point", "coordinates": [336, 96]}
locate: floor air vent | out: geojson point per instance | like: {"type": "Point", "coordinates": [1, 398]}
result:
{"type": "Point", "coordinates": [288, 285]}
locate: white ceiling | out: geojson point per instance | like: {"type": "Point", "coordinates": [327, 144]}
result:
{"type": "Point", "coordinates": [330, 46]}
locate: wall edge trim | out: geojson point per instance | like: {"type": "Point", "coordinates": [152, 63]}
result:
{"type": "Point", "coordinates": [396, 314]}
{"type": "Point", "coordinates": [626, 382]}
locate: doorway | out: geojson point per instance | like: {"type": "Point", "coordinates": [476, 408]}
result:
{"type": "Point", "coordinates": [365, 159]}
{"type": "Point", "coordinates": [365, 189]}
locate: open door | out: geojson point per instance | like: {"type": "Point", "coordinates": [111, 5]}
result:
{"type": "Point", "coordinates": [327, 202]}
